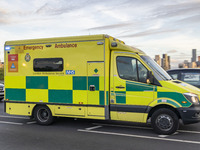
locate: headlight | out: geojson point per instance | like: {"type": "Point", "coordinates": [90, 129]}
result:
{"type": "Point", "coordinates": [192, 98]}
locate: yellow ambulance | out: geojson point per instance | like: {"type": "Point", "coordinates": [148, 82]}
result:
{"type": "Point", "coordinates": [94, 77]}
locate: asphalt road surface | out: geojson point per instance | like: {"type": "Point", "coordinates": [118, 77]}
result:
{"type": "Point", "coordinates": [22, 133]}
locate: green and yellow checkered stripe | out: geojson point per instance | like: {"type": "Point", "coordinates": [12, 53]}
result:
{"type": "Point", "coordinates": [123, 96]}
{"type": "Point", "coordinates": [131, 88]}
{"type": "Point", "coordinates": [54, 89]}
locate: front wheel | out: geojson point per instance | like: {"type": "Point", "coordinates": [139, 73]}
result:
{"type": "Point", "coordinates": [165, 121]}
{"type": "Point", "coordinates": [43, 115]}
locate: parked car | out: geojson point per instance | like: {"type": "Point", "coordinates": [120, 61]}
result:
{"type": "Point", "coordinates": [1, 91]}
{"type": "Point", "coordinates": [191, 76]}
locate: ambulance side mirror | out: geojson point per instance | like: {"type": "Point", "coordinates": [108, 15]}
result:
{"type": "Point", "coordinates": [150, 78]}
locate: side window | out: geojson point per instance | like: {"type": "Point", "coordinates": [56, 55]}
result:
{"type": "Point", "coordinates": [174, 76]}
{"type": "Point", "coordinates": [142, 72]}
{"type": "Point", "coordinates": [131, 69]}
{"type": "Point", "coordinates": [191, 78]}
{"type": "Point", "coordinates": [127, 69]}
{"type": "Point", "coordinates": [48, 64]}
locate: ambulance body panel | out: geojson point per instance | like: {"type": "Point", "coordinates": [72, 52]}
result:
{"type": "Point", "coordinates": [94, 77]}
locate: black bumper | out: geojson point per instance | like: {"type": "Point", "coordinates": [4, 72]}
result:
{"type": "Point", "coordinates": [190, 115]}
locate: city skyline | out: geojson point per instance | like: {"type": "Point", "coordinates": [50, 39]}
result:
{"type": "Point", "coordinates": [165, 61]}
{"type": "Point", "coordinates": [194, 63]}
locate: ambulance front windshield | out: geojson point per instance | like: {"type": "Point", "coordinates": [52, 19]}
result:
{"type": "Point", "coordinates": [156, 68]}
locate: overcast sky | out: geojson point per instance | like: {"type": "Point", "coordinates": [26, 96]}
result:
{"type": "Point", "coordinates": [154, 26]}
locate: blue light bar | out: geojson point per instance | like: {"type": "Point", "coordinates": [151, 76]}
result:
{"type": "Point", "coordinates": [7, 48]}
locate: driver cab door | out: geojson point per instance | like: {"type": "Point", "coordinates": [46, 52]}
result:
{"type": "Point", "coordinates": [130, 93]}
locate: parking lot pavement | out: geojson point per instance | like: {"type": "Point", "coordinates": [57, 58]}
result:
{"type": "Point", "coordinates": [20, 132]}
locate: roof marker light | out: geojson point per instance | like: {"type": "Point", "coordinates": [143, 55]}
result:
{"type": "Point", "coordinates": [100, 43]}
{"type": "Point", "coordinates": [114, 44]}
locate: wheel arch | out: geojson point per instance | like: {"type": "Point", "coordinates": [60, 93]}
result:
{"type": "Point", "coordinates": [153, 109]}
{"type": "Point", "coordinates": [37, 105]}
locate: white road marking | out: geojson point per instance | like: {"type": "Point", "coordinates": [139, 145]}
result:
{"type": "Point", "coordinates": [14, 117]}
{"type": "Point", "coordinates": [196, 132]}
{"type": "Point", "coordinates": [13, 123]}
{"type": "Point", "coordinates": [147, 128]}
{"type": "Point", "coordinates": [95, 127]}
{"type": "Point", "coordinates": [123, 126]}
{"type": "Point", "coordinates": [31, 122]}
{"type": "Point", "coordinates": [163, 136]}
{"type": "Point", "coordinates": [175, 133]}
{"type": "Point", "coordinates": [140, 136]}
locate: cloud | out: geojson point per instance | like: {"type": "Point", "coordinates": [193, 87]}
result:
{"type": "Point", "coordinates": [62, 6]}
{"type": "Point", "coordinates": [8, 16]}
{"type": "Point", "coordinates": [3, 16]}
{"type": "Point", "coordinates": [178, 9]}
{"type": "Point", "coordinates": [190, 19]}
{"type": "Point", "coordinates": [150, 32]}
{"type": "Point", "coordinates": [120, 25]}
{"type": "Point", "coordinates": [172, 51]}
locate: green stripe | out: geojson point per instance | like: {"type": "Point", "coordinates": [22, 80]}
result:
{"type": "Point", "coordinates": [130, 86]}
{"type": "Point", "coordinates": [79, 83]}
{"type": "Point", "coordinates": [120, 97]}
{"type": "Point", "coordinates": [156, 89]}
{"type": "Point", "coordinates": [175, 96]}
{"type": "Point", "coordinates": [60, 96]}
{"type": "Point", "coordinates": [101, 98]}
{"type": "Point", "coordinates": [170, 102]}
{"type": "Point", "coordinates": [93, 81]}
{"type": "Point", "coordinates": [36, 82]}
{"type": "Point", "coordinates": [16, 94]}
{"type": "Point", "coordinates": [173, 103]}
{"type": "Point", "coordinates": [107, 98]}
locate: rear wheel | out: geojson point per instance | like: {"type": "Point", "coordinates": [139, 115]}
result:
{"type": "Point", "coordinates": [43, 115]}
{"type": "Point", "coordinates": [164, 121]}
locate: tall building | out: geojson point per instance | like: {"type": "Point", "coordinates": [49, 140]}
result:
{"type": "Point", "coordinates": [193, 65]}
{"type": "Point", "coordinates": [169, 63]}
{"type": "Point", "coordinates": [194, 55]}
{"type": "Point", "coordinates": [165, 62]}
{"type": "Point", "coordinates": [158, 59]}
{"type": "Point", "coordinates": [198, 62]}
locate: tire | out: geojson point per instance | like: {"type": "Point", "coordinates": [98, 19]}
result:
{"type": "Point", "coordinates": [43, 115]}
{"type": "Point", "coordinates": [164, 121]}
